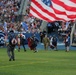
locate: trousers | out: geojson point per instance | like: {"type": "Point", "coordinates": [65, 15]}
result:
{"type": "Point", "coordinates": [10, 52]}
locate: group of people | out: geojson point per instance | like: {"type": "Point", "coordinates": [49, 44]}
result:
{"type": "Point", "coordinates": [53, 40]}
{"type": "Point", "coordinates": [50, 41]}
{"type": "Point", "coordinates": [14, 40]}
{"type": "Point", "coordinates": [19, 39]}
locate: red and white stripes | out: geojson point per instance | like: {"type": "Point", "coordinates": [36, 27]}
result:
{"type": "Point", "coordinates": [59, 10]}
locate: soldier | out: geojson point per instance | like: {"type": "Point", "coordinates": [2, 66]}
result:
{"type": "Point", "coordinates": [22, 41]}
{"type": "Point", "coordinates": [54, 42]}
{"type": "Point", "coordinates": [67, 42]}
{"type": "Point", "coordinates": [46, 42]}
{"type": "Point", "coordinates": [11, 45]}
{"type": "Point", "coordinates": [35, 42]}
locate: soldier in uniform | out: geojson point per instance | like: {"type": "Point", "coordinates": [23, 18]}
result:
{"type": "Point", "coordinates": [21, 41]}
{"type": "Point", "coordinates": [46, 42]}
{"type": "Point", "coordinates": [11, 45]}
{"type": "Point", "coordinates": [67, 42]}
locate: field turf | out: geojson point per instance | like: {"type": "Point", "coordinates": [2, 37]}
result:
{"type": "Point", "coordinates": [40, 63]}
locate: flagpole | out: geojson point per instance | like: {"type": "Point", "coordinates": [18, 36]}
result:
{"type": "Point", "coordinates": [72, 34]}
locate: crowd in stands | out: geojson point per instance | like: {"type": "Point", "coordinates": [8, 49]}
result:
{"type": "Point", "coordinates": [9, 17]}
{"type": "Point", "coordinates": [8, 13]}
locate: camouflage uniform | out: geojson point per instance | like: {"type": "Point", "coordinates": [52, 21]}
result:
{"type": "Point", "coordinates": [46, 42]}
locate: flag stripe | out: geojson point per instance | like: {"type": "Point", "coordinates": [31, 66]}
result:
{"type": "Point", "coordinates": [41, 16]}
{"type": "Point", "coordinates": [74, 1]}
{"type": "Point", "coordinates": [66, 4]}
{"type": "Point", "coordinates": [34, 14]}
{"type": "Point", "coordinates": [62, 8]}
{"type": "Point", "coordinates": [59, 10]}
{"type": "Point", "coordinates": [41, 10]}
{"type": "Point", "coordinates": [48, 10]}
{"type": "Point", "coordinates": [54, 12]}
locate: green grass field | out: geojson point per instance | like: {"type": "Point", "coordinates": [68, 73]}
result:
{"type": "Point", "coordinates": [41, 63]}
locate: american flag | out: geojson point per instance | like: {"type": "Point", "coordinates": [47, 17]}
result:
{"type": "Point", "coordinates": [53, 10]}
